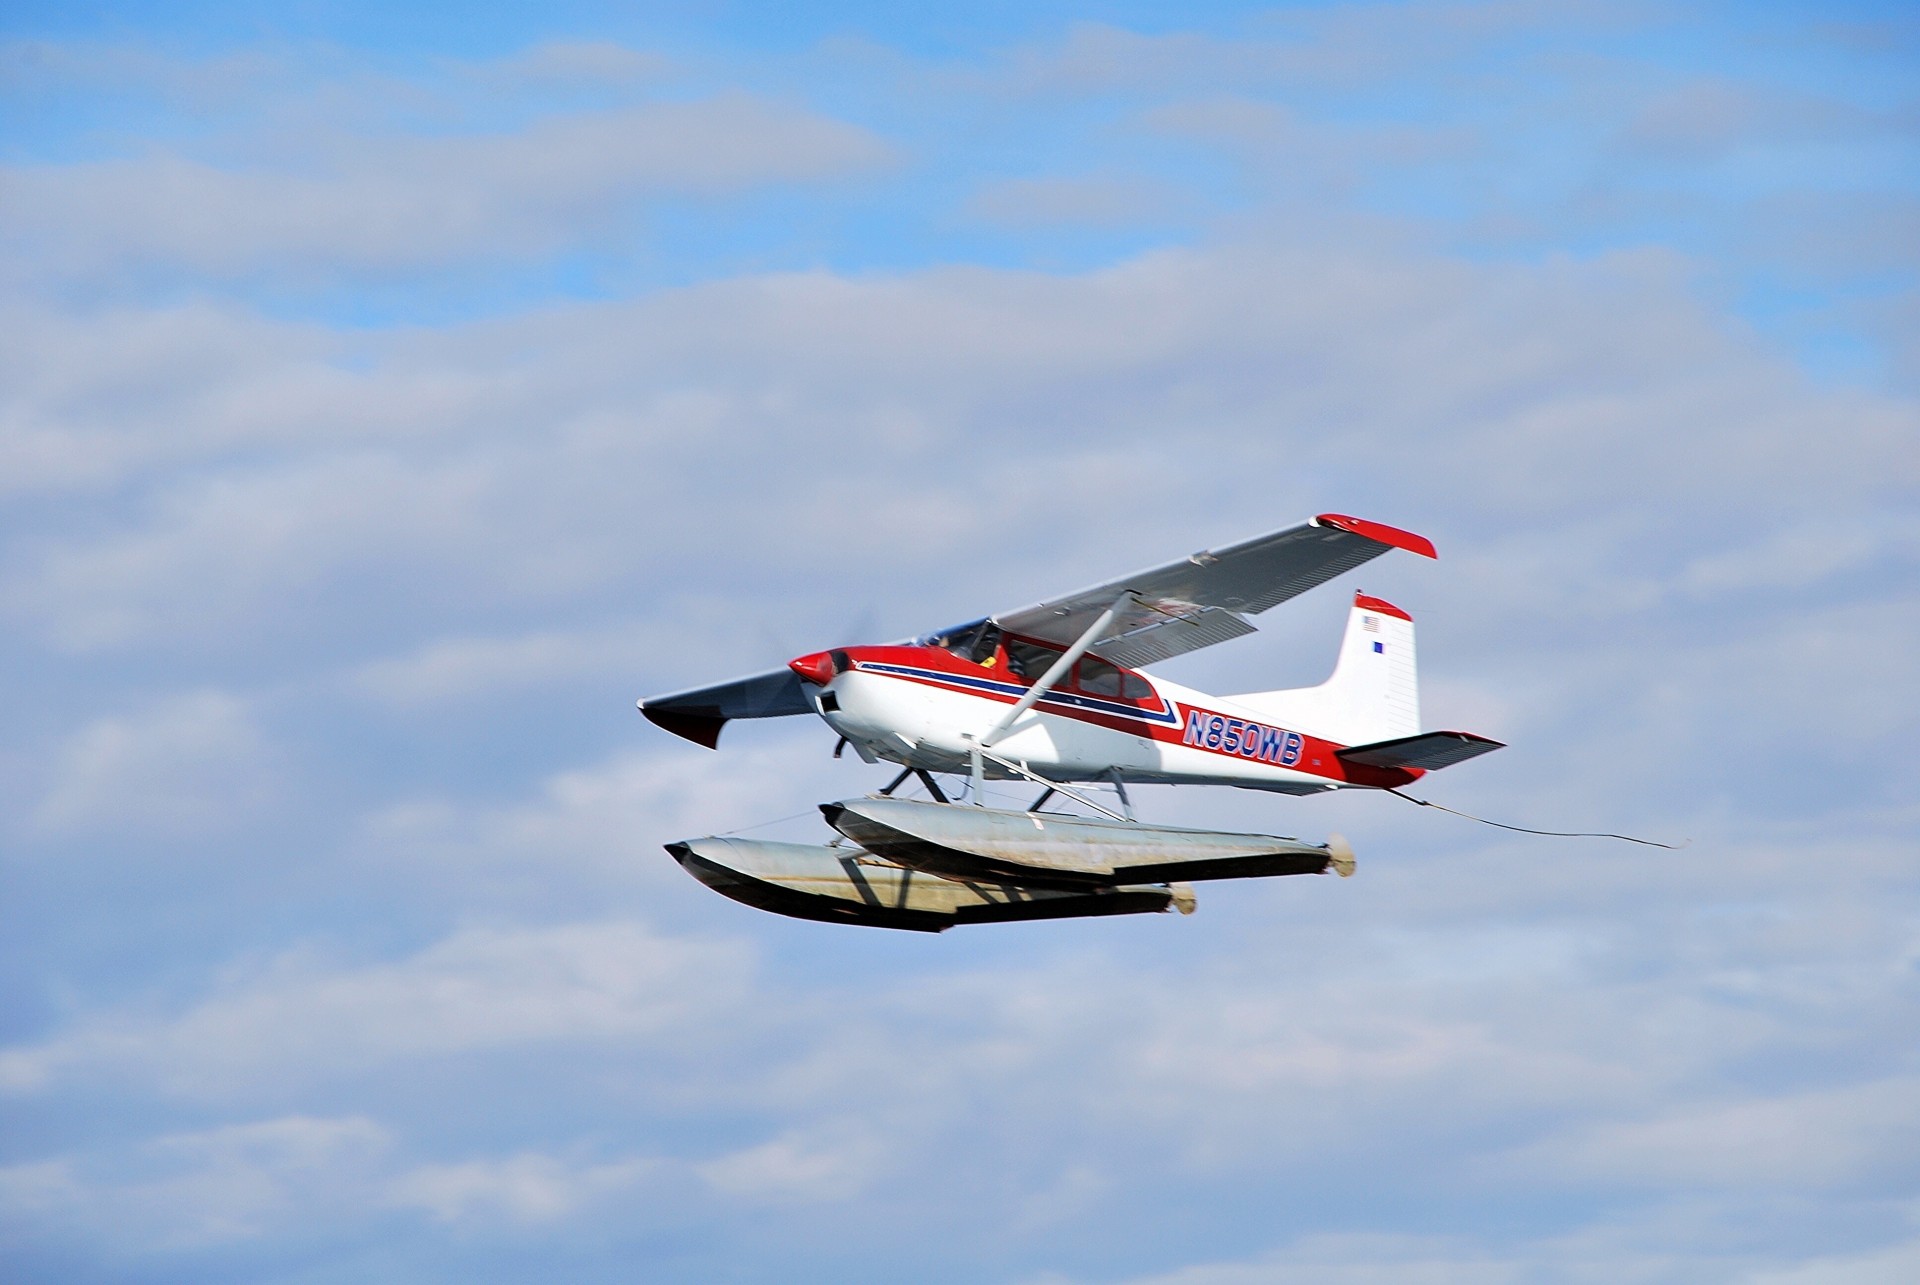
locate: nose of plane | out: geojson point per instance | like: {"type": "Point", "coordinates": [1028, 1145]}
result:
{"type": "Point", "coordinates": [817, 668]}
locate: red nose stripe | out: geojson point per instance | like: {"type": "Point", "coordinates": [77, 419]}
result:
{"type": "Point", "coordinates": [816, 668]}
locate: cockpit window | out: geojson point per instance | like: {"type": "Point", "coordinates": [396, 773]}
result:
{"type": "Point", "coordinates": [1030, 659]}
{"type": "Point", "coordinates": [977, 640]}
{"type": "Point", "coordinates": [1098, 678]}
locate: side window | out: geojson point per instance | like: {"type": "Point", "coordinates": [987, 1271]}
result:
{"type": "Point", "coordinates": [1135, 688]}
{"type": "Point", "coordinates": [1030, 660]}
{"type": "Point", "coordinates": [1098, 678]}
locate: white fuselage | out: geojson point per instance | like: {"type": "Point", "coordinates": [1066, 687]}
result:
{"type": "Point", "coordinates": [925, 715]}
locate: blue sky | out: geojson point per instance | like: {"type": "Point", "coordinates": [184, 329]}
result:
{"type": "Point", "coordinates": [395, 392]}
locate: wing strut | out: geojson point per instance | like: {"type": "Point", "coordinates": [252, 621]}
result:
{"type": "Point", "coordinates": [1056, 671]}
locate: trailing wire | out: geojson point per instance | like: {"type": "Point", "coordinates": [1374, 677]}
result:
{"type": "Point", "coordinates": [1425, 803]}
{"type": "Point", "coordinates": [1551, 834]}
{"type": "Point", "coordinates": [761, 825]}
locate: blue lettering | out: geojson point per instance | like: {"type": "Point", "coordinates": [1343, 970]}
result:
{"type": "Point", "coordinates": [1242, 737]}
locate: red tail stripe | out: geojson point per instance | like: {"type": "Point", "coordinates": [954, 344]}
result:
{"type": "Point", "coordinates": [1380, 605]}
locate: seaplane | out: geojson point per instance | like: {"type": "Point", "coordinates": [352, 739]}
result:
{"type": "Point", "coordinates": [1053, 695]}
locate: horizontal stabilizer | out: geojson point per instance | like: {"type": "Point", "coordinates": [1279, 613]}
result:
{"type": "Point", "coordinates": [1427, 751]}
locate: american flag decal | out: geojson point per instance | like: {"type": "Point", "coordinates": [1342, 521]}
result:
{"type": "Point", "coordinates": [1370, 623]}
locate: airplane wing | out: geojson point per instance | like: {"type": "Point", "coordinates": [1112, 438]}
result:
{"type": "Point", "coordinates": [700, 713]}
{"type": "Point", "coordinates": [1200, 600]}
{"type": "Point", "coordinates": [1205, 598]}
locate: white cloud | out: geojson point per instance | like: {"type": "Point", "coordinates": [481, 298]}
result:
{"type": "Point", "coordinates": [209, 1187]}
{"type": "Point", "coordinates": [1646, 1251]}
{"type": "Point", "coordinates": [297, 1020]}
{"type": "Point", "coordinates": [1507, 1021]}
{"type": "Point", "coordinates": [227, 548]}
{"type": "Point", "coordinates": [1703, 120]}
{"type": "Point", "coordinates": [600, 445]}
{"type": "Point", "coordinates": [1074, 1193]}
{"type": "Point", "coordinates": [191, 764]}
{"type": "Point", "coordinates": [833, 1163]}
{"type": "Point", "coordinates": [595, 832]}
{"type": "Point", "coordinates": [1088, 201]}
{"type": "Point", "coordinates": [96, 398]}
{"type": "Point", "coordinates": [526, 1188]}
{"type": "Point", "coordinates": [1807, 553]}
{"type": "Point", "coordinates": [30, 67]}
{"type": "Point", "coordinates": [1896, 1265]}
{"type": "Point", "coordinates": [1343, 47]}
{"type": "Point", "coordinates": [385, 205]}
{"type": "Point", "coordinates": [1387, 1259]}
{"type": "Point", "coordinates": [1829, 1137]}
{"type": "Point", "coordinates": [465, 669]}
{"type": "Point", "coordinates": [304, 1176]}
{"type": "Point", "coordinates": [571, 65]}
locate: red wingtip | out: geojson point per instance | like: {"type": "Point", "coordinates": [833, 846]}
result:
{"type": "Point", "coordinates": [1381, 532]}
{"type": "Point", "coordinates": [1380, 605]}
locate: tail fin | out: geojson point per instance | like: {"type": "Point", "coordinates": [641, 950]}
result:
{"type": "Point", "coordinates": [1374, 694]}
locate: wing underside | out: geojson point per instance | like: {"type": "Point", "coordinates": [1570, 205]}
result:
{"type": "Point", "coordinates": [700, 713]}
{"type": "Point", "coordinates": [1205, 598]}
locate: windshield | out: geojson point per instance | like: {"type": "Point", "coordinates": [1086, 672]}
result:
{"type": "Point", "coordinates": [977, 640]}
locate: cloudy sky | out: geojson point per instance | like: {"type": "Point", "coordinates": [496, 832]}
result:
{"type": "Point", "coordinates": [392, 393]}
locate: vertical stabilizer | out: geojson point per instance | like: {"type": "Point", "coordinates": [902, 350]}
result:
{"type": "Point", "coordinates": [1374, 694]}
